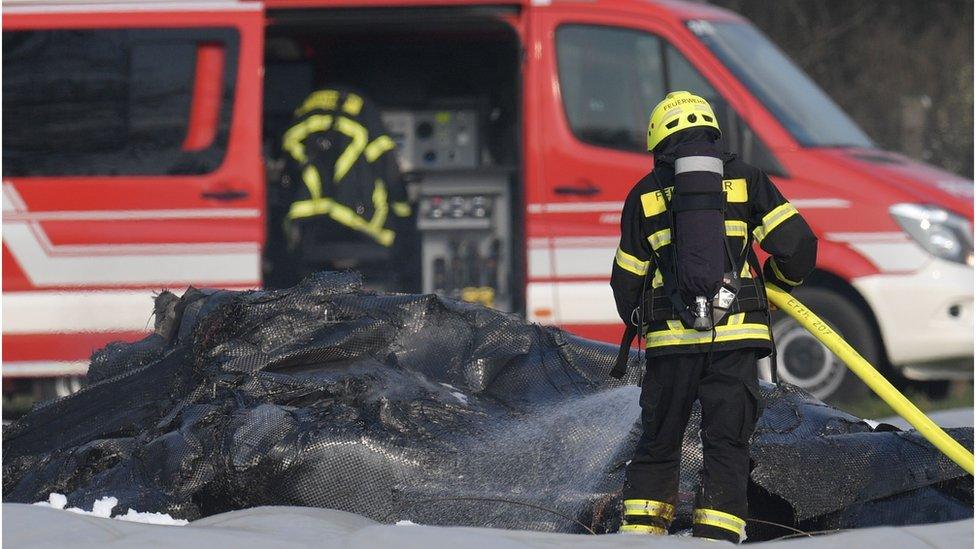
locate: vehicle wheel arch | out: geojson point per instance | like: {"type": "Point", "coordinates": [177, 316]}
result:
{"type": "Point", "coordinates": [827, 280]}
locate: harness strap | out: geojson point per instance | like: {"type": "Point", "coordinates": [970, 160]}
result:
{"type": "Point", "coordinates": [754, 262]}
{"type": "Point", "coordinates": [750, 298]}
{"type": "Point", "coordinates": [623, 352]}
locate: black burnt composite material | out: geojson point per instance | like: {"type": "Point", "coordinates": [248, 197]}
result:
{"type": "Point", "coordinates": [415, 407]}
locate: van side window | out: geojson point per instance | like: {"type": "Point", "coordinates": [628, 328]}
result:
{"type": "Point", "coordinates": [590, 58]}
{"type": "Point", "coordinates": [611, 78]}
{"type": "Point", "coordinates": [117, 101]}
{"type": "Point", "coordinates": [737, 136]}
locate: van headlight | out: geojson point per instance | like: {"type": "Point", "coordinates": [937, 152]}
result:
{"type": "Point", "coordinates": [942, 233]}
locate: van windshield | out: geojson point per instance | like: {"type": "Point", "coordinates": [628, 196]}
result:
{"type": "Point", "coordinates": [789, 94]}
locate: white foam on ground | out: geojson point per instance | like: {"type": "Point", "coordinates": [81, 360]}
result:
{"type": "Point", "coordinates": [57, 501]}
{"type": "Point", "coordinates": [151, 518]}
{"type": "Point", "coordinates": [103, 509]}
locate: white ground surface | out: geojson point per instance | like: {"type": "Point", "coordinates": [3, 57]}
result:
{"type": "Point", "coordinates": [292, 527]}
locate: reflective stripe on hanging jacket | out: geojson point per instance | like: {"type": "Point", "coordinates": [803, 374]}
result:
{"type": "Point", "coordinates": [337, 147]}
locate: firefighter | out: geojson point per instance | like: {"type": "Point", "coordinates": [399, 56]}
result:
{"type": "Point", "coordinates": [686, 274]}
{"type": "Point", "coordinates": [346, 206]}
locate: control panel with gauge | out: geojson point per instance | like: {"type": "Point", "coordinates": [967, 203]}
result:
{"type": "Point", "coordinates": [435, 139]}
{"type": "Point", "coordinates": [465, 225]}
{"type": "Point", "coordinates": [463, 203]}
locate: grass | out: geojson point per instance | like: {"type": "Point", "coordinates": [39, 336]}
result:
{"type": "Point", "coordinates": [16, 405]}
{"type": "Point", "coordinates": [871, 407]}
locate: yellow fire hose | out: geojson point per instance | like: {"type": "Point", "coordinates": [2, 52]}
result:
{"type": "Point", "coordinates": [863, 369]}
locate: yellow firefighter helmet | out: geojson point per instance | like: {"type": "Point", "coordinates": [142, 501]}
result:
{"type": "Point", "coordinates": [678, 111]}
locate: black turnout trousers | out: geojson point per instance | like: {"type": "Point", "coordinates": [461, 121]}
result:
{"type": "Point", "coordinates": [728, 388]}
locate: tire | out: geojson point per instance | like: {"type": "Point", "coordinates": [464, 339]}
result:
{"type": "Point", "coordinates": [936, 390]}
{"type": "Point", "coordinates": [49, 388]}
{"type": "Point", "coordinates": [804, 361]}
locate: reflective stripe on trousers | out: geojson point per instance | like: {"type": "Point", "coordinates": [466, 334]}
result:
{"type": "Point", "coordinates": [718, 519]}
{"type": "Point", "coordinates": [642, 529]}
{"type": "Point", "coordinates": [649, 507]}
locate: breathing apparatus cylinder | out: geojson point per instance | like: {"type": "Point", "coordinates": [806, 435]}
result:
{"type": "Point", "coordinates": [698, 204]}
{"type": "Point", "coordinates": [697, 289]}
{"type": "Point", "coordinates": [697, 208]}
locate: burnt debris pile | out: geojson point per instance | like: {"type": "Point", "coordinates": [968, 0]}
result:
{"type": "Point", "coordinates": [428, 409]}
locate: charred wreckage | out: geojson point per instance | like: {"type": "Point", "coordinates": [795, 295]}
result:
{"type": "Point", "coordinates": [428, 409]}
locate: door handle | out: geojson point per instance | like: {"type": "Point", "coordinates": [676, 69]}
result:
{"type": "Point", "coordinates": [585, 189]}
{"type": "Point", "coordinates": [225, 195]}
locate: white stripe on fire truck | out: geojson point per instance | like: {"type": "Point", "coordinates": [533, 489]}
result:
{"type": "Point", "coordinates": [575, 261]}
{"type": "Point", "coordinates": [47, 268]}
{"type": "Point", "coordinates": [585, 207]}
{"type": "Point", "coordinates": [49, 265]}
{"type": "Point", "coordinates": [86, 6]}
{"type": "Point", "coordinates": [134, 215]}
{"type": "Point", "coordinates": [43, 368]}
{"type": "Point", "coordinates": [885, 236]}
{"type": "Point", "coordinates": [571, 303]}
{"type": "Point", "coordinates": [592, 257]}
{"type": "Point", "coordinates": [574, 207]}
{"type": "Point", "coordinates": [58, 312]}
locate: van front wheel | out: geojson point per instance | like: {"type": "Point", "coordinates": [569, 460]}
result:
{"type": "Point", "coordinates": [50, 388]}
{"type": "Point", "coordinates": [804, 361]}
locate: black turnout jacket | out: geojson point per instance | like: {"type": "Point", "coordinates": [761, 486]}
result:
{"type": "Point", "coordinates": [756, 212]}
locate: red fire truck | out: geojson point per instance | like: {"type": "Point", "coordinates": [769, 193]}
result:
{"type": "Point", "coordinates": [138, 139]}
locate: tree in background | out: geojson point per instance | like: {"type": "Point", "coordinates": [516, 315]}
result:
{"type": "Point", "coordinates": [902, 69]}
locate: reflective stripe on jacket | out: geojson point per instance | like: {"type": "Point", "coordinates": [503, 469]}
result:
{"type": "Point", "coordinates": [754, 206]}
{"type": "Point", "coordinates": [338, 149]}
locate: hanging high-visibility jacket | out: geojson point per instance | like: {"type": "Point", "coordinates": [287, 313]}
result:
{"type": "Point", "coordinates": [755, 211]}
{"type": "Point", "coordinates": [337, 147]}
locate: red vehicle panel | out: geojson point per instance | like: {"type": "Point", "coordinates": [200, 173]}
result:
{"type": "Point", "coordinates": [80, 240]}
{"type": "Point", "coordinates": [77, 245]}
